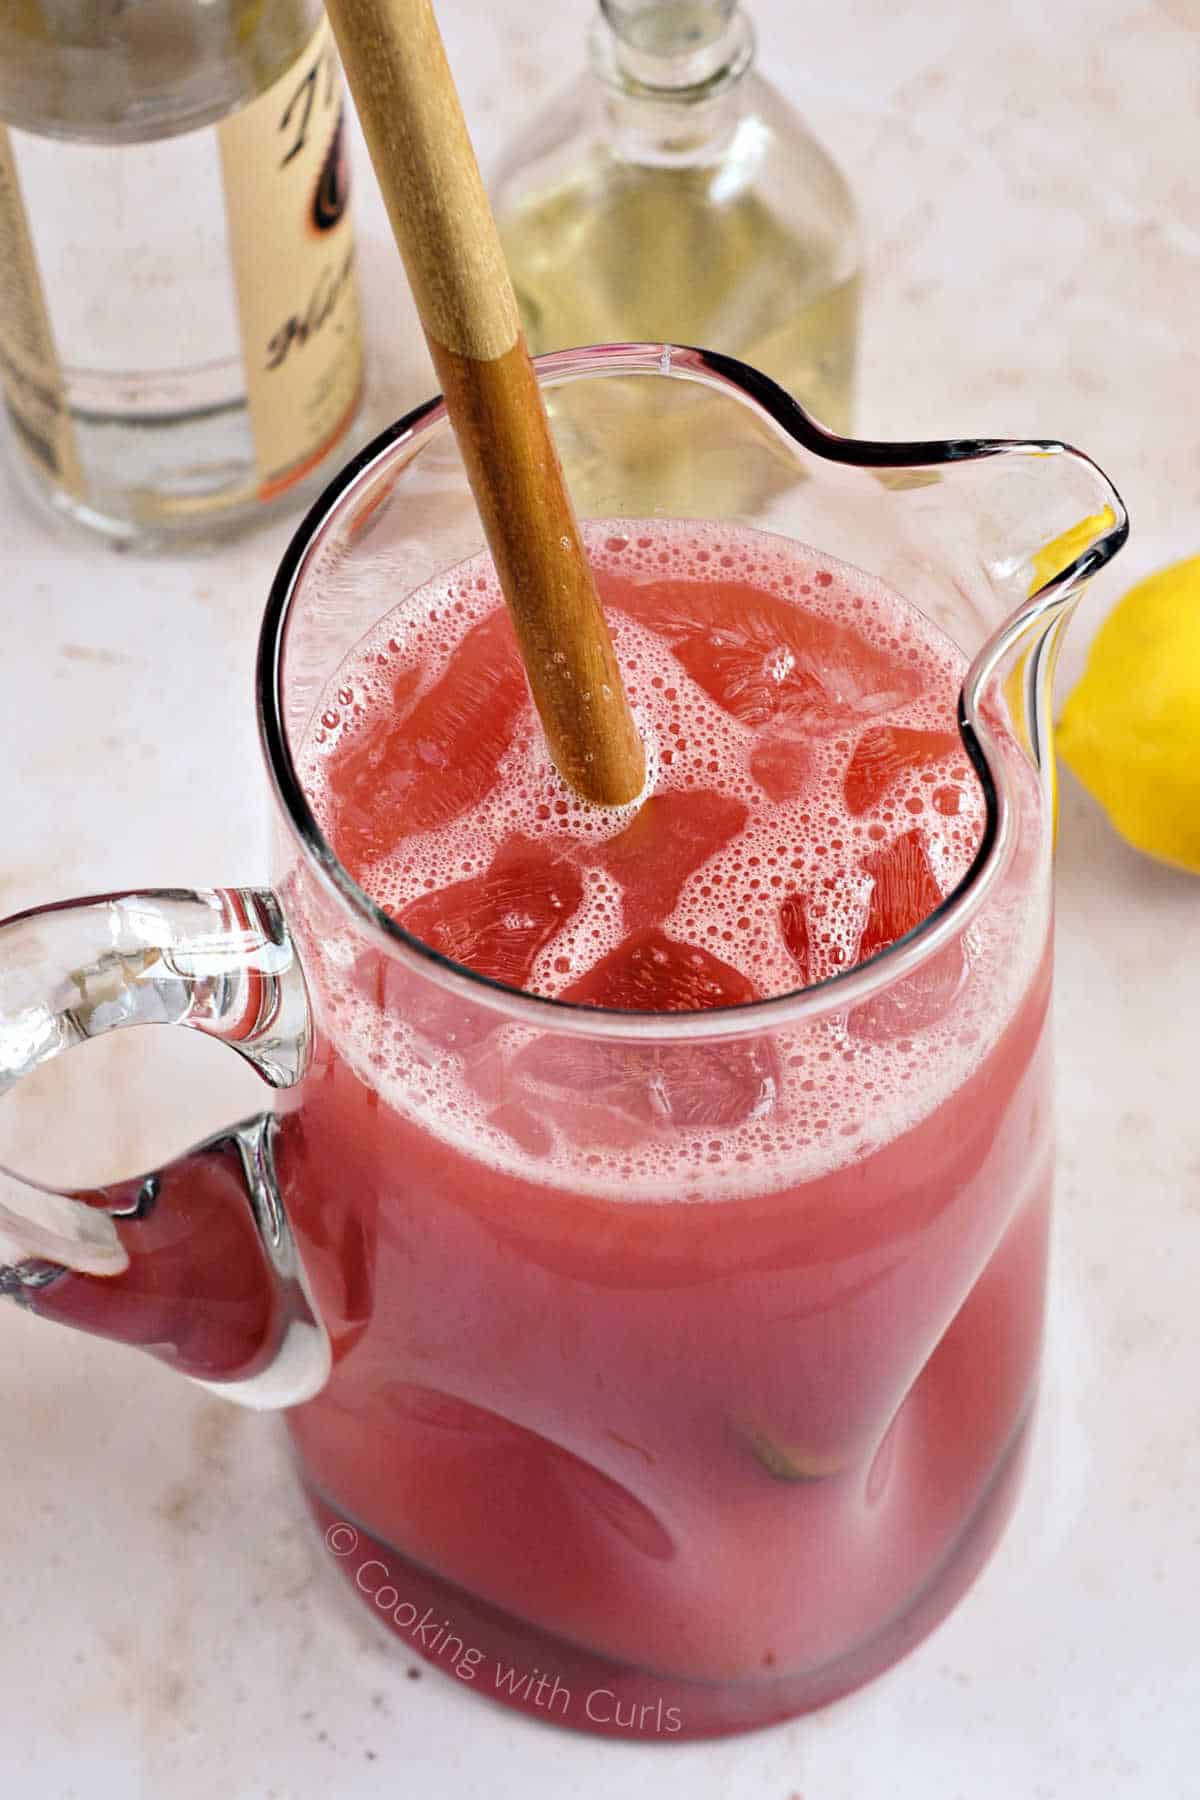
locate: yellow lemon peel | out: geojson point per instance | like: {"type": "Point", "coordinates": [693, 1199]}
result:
{"type": "Point", "coordinates": [1130, 729]}
{"type": "Point", "coordinates": [1061, 551]}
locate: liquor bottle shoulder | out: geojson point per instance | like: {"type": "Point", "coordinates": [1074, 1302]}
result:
{"type": "Point", "coordinates": [566, 136]}
{"type": "Point", "coordinates": [641, 175]}
{"type": "Point", "coordinates": [794, 155]}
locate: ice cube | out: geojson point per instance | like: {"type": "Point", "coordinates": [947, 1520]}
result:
{"type": "Point", "coordinates": [651, 972]}
{"type": "Point", "coordinates": [764, 658]}
{"type": "Point", "coordinates": [498, 922]}
{"type": "Point", "coordinates": [433, 760]}
{"type": "Point", "coordinates": [526, 1131]}
{"type": "Point", "coordinates": [904, 892]}
{"type": "Point", "coordinates": [686, 1086]}
{"type": "Point", "coordinates": [671, 837]}
{"type": "Point", "coordinates": [885, 751]}
{"type": "Point", "coordinates": [781, 764]}
{"type": "Point", "coordinates": [495, 923]}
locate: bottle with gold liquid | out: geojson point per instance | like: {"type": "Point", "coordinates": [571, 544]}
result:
{"type": "Point", "coordinates": [180, 348]}
{"type": "Point", "coordinates": [673, 194]}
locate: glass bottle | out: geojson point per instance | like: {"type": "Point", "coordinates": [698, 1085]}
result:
{"type": "Point", "coordinates": [673, 194]}
{"type": "Point", "coordinates": [180, 347]}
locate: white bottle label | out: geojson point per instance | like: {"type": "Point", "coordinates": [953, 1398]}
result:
{"type": "Point", "coordinates": [286, 176]}
{"type": "Point", "coordinates": [191, 273]}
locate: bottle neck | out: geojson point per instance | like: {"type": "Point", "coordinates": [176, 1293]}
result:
{"type": "Point", "coordinates": [682, 50]}
{"type": "Point", "coordinates": [671, 71]}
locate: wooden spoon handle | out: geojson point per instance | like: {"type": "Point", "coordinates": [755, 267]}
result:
{"type": "Point", "coordinates": [401, 82]}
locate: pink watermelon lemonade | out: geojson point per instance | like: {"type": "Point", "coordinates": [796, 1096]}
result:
{"type": "Point", "coordinates": [679, 1383]}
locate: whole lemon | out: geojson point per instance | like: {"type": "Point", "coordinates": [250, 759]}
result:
{"type": "Point", "coordinates": [1131, 728]}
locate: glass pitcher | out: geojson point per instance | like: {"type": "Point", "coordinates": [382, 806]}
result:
{"type": "Point", "coordinates": [646, 1463]}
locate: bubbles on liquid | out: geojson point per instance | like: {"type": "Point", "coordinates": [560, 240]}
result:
{"type": "Point", "coordinates": [797, 838]}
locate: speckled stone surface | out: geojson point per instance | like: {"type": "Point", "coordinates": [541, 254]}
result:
{"type": "Point", "coordinates": [168, 1628]}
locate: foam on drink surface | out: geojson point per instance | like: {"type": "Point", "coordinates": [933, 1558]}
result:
{"type": "Point", "coordinates": [795, 774]}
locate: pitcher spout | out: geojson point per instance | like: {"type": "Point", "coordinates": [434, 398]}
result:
{"type": "Point", "coordinates": [1017, 663]}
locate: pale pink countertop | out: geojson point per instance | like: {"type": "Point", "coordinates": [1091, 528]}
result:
{"type": "Point", "coordinates": [168, 1627]}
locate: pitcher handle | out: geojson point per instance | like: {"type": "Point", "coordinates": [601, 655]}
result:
{"type": "Point", "coordinates": [195, 1262]}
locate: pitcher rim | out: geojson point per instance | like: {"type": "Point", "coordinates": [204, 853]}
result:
{"type": "Point", "coordinates": [834, 993]}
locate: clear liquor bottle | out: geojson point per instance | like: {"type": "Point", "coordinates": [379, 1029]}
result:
{"type": "Point", "coordinates": [673, 194]}
{"type": "Point", "coordinates": [180, 346]}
